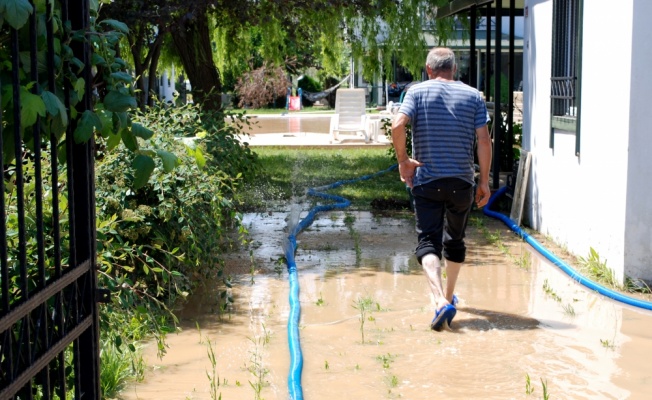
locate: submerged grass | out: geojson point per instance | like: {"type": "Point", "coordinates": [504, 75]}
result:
{"type": "Point", "coordinates": [287, 174]}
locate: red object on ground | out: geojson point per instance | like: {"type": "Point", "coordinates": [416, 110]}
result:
{"type": "Point", "coordinates": [295, 103]}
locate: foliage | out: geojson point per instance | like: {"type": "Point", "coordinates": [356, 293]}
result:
{"type": "Point", "coordinates": [226, 152]}
{"type": "Point", "coordinates": [152, 239]}
{"type": "Point", "coordinates": [235, 36]}
{"type": "Point", "coordinates": [111, 94]}
{"type": "Point", "coordinates": [30, 227]}
{"type": "Point", "coordinates": [261, 86]}
{"type": "Point", "coordinates": [598, 269]}
{"type": "Point", "coordinates": [386, 125]}
{"type": "Point", "coordinates": [504, 88]}
{"type": "Point", "coordinates": [163, 202]}
{"type": "Point", "coordinates": [117, 370]}
{"type": "Point", "coordinates": [309, 84]}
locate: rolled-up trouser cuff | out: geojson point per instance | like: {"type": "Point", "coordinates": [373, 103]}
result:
{"type": "Point", "coordinates": [455, 255]}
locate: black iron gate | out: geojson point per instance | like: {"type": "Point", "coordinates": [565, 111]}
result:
{"type": "Point", "coordinates": [48, 311]}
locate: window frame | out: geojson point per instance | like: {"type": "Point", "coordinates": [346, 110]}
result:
{"type": "Point", "coordinates": [566, 67]}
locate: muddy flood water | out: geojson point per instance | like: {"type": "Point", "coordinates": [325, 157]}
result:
{"type": "Point", "coordinates": [523, 329]}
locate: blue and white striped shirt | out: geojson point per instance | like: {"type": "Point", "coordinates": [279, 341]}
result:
{"type": "Point", "coordinates": [444, 116]}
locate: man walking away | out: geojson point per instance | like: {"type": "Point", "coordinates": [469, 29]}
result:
{"type": "Point", "coordinates": [447, 116]}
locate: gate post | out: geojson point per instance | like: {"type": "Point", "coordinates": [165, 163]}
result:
{"type": "Point", "coordinates": [81, 175]}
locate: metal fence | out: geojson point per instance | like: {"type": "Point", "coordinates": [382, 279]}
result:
{"type": "Point", "coordinates": [563, 96]}
{"type": "Point", "coordinates": [49, 344]}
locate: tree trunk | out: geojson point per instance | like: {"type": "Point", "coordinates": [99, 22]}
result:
{"type": "Point", "coordinates": [148, 65]}
{"type": "Point", "coordinates": [192, 42]}
{"type": "Point", "coordinates": [153, 67]}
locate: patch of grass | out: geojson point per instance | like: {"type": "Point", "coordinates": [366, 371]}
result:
{"type": "Point", "coordinates": [569, 309]}
{"type": "Point", "coordinates": [257, 368]}
{"type": "Point", "coordinates": [320, 300]}
{"type": "Point", "coordinates": [524, 261]}
{"type": "Point", "coordinates": [637, 286]}
{"type": "Point", "coordinates": [117, 370]}
{"type": "Point", "coordinates": [544, 387]}
{"type": "Point", "coordinates": [598, 270]}
{"type": "Point", "coordinates": [288, 173]}
{"type": "Point", "coordinates": [529, 389]}
{"type": "Point", "coordinates": [393, 381]}
{"type": "Point", "coordinates": [364, 306]}
{"type": "Point", "coordinates": [212, 375]}
{"type": "Point", "coordinates": [386, 359]}
{"type": "Point", "coordinates": [349, 219]}
{"type": "Point", "coordinates": [550, 292]}
{"type": "Point", "coordinates": [607, 344]}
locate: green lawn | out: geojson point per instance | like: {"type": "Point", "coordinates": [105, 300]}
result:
{"type": "Point", "coordinates": [288, 173]}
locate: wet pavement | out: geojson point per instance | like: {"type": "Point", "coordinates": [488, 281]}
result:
{"type": "Point", "coordinates": [523, 329]}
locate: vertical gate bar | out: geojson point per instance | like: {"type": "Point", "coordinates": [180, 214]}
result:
{"type": "Point", "coordinates": [498, 113]}
{"type": "Point", "coordinates": [473, 62]}
{"type": "Point", "coordinates": [24, 340]}
{"type": "Point", "coordinates": [566, 51]}
{"type": "Point", "coordinates": [18, 155]}
{"type": "Point", "coordinates": [56, 230]}
{"type": "Point", "coordinates": [510, 79]}
{"type": "Point", "coordinates": [69, 294]}
{"type": "Point", "coordinates": [6, 338]}
{"type": "Point", "coordinates": [54, 142]}
{"type": "Point", "coordinates": [83, 187]}
{"type": "Point", "coordinates": [487, 63]}
{"type": "Point", "coordinates": [38, 183]}
{"type": "Point", "coordinates": [42, 327]}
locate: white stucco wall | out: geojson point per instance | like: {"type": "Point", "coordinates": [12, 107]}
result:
{"type": "Point", "coordinates": [638, 234]}
{"type": "Point", "coordinates": [580, 201]}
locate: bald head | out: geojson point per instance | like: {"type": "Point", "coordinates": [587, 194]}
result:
{"type": "Point", "coordinates": [441, 60]}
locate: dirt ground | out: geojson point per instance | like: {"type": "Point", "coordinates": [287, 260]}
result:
{"type": "Point", "coordinates": [523, 328]}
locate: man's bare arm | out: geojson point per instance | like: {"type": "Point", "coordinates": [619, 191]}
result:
{"type": "Point", "coordinates": [484, 159]}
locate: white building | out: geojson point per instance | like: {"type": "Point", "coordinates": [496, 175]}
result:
{"type": "Point", "coordinates": [585, 99]}
{"type": "Point", "coordinates": [592, 151]}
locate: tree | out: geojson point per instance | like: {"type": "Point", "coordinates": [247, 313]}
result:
{"type": "Point", "coordinates": [149, 21]}
{"type": "Point", "coordinates": [309, 32]}
{"type": "Point", "coordinates": [261, 86]}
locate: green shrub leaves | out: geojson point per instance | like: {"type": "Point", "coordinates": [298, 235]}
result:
{"type": "Point", "coordinates": [15, 12]}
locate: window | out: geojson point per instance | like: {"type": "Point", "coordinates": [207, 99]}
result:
{"type": "Point", "coordinates": [566, 63]}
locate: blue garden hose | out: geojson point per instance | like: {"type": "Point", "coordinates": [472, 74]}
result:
{"type": "Point", "coordinates": [290, 246]}
{"type": "Point", "coordinates": [558, 262]}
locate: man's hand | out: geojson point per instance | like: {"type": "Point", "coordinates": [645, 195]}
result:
{"type": "Point", "coordinates": [406, 168]}
{"type": "Point", "coordinates": [406, 165]}
{"type": "Point", "coordinates": [482, 194]}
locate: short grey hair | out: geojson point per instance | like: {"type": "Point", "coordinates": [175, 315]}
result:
{"type": "Point", "coordinates": [441, 59]}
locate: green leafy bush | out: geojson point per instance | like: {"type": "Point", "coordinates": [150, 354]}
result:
{"type": "Point", "coordinates": [309, 85]}
{"type": "Point", "coordinates": [386, 126]}
{"type": "Point", "coordinates": [157, 238]}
